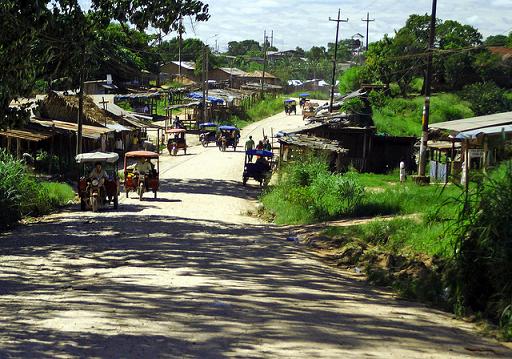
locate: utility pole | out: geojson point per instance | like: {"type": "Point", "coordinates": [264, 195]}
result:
{"type": "Point", "coordinates": [180, 39]}
{"type": "Point", "coordinates": [338, 20]}
{"type": "Point", "coordinates": [426, 108]}
{"type": "Point", "coordinates": [367, 21]}
{"type": "Point", "coordinates": [81, 102]}
{"type": "Point", "coordinates": [264, 64]}
{"type": "Point", "coordinates": [204, 77]}
{"type": "Point", "coordinates": [272, 39]}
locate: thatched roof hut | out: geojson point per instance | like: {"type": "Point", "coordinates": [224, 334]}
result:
{"type": "Point", "coordinates": [65, 108]}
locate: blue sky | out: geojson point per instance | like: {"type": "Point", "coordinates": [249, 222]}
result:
{"type": "Point", "coordinates": [305, 23]}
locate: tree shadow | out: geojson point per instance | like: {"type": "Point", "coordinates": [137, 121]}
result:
{"type": "Point", "coordinates": [162, 286]}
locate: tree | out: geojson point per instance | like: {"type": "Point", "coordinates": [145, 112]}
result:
{"type": "Point", "coordinates": [316, 53]}
{"type": "Point", "coordinates": [496, 40]}
{"type": "Point", "coordinates": [64, 35]}
{"type": "Point", "coordinates": [190, 49]}
{"type": "Point", "coordinates": [486, 98]}
{"type": "Point", "coordinates": [240, 48]}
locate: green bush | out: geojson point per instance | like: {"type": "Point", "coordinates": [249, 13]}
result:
{"type": "Point", "coordinates": [486, 98]}
{"type": "Point", "coordinates": [21, 194]}
{"type": "Point", "coordinates": [350, 80]}
{"type": "Point", "coordinates": [353, 105]}
{"type": "Point", "coordinates": [308, 192]}
{"type": "Point", "coordinates": [484, 247]}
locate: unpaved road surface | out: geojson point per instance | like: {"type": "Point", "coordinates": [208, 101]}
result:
{"type": "Point", "coordinates": [188, 275]}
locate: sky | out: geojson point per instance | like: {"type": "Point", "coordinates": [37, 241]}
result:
{"type": "Point", "coordinates": [306, 23]}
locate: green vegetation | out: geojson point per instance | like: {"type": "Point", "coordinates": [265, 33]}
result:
{"type": "Point", "coordinates": [260, 110]}
{"type": "Point", "coordinates": [313, 95]}
{"type": "Point", "coordinates": [350, 80]}
{"type": "Point", "coordinates": [484, 247]}
{"type": "Point", "coordinates": [487, 98]}
{"type": "Point", "coordinates": [402, 117]}
{"type": "Point", "coordinates": [442, 246]}
{"type": "Point", "coordinates": [22, 195]}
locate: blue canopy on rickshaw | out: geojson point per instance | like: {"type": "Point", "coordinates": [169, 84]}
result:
{"type": "Point", "coordinates": [261, 153]}
{"type": "Point", "coordinates": [228, 128]}
{"type": "Point", "coordinates": [289, 100]}
{"type": "Point", "coordinates": [208, 124]}
{"type": "Point", "coordinates": [304, 94]}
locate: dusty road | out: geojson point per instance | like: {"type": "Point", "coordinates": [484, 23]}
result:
{"type": "Point", "coordinates": [189, 276]}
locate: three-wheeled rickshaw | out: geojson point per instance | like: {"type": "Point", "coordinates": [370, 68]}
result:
{"type": "Point", "coordinates": [97, 189]}
{"type": "Point", "coordinates": [207, 133]}
{"type": "Point", "coordinates": [176, 141]}
{"type": "Point", "coordinates": [290, 105]}
{"type": "Point", "coordinates": [140, 173]}
{"type": "Point", "coordinates": [303, 98]}
{"type": "Point", "coordinates": [227, 136]}
{"type": "Point", "coordinates": [261, 169]}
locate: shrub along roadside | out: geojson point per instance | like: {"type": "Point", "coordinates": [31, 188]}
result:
{"type": "Point", "coordinates": [21, 194]}
{"type": "Point", "coordinates": [444, 248]}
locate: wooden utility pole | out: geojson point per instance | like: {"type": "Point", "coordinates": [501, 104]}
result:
{"type": "Point", "coordinates": [426, 108]}
{"type": "Point", "coordinates": [203, 79]}
{"type": "Point", "coordinates": [81, 101]}
{"type": "Point", "coordinates": [180, 40]}
{"type": "Point", "coordinates": [368, 21]}
{"type": "Point", "coordinates": [265, 40]}
{"type": "Point", "coordinates": [338, 20]}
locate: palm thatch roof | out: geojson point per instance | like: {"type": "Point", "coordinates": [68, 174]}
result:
{"type": "Point", "coordinates": [65, 108]}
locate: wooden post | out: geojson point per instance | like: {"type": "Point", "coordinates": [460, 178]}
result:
{"type": "Point", "coordinates": [18, 148]}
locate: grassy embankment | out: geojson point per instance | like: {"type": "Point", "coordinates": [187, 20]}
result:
{"type": "Point", "coordinates": [402, 117]}
{"type": "Point", "coordinates": [21, 194]}
{"type": "Point", "coordinates": [440, 246]}
{"type": "Point", "coordinates": [260, 110]}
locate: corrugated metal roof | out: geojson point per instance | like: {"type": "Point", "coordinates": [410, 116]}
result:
{"type": "Point", "coordinates": [473, 123]}
{"type": "Point", "coordinates": [26, 134]}
{"type": "Point", "coordinates": [92, 132]}
{"type": "Point", "coordinates": [189, 65]}
{"type": "Point", "coordinates": [234, 71]}
{"type": "Point", "coordinates": [495, 130]}
{"type": "Point", "coordinates": [313, 142]}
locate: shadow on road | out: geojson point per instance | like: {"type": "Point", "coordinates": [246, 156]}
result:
{"type": "Point", "coordinates": [158, 286]}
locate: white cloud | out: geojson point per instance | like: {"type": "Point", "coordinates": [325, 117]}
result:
{"type": "Point", "coordinates": [305, 23]}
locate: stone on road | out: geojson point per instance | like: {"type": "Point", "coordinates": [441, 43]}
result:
{"type": "Point", "coordinates": [189, 275]}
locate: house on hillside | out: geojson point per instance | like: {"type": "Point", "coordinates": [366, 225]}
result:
{"type": "Point", "coordinates": [171, 70]}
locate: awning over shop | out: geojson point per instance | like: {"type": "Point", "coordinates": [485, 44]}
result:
{"type": "Point", "coordinates": [91, 132]}
{"type": "Point", "coordinates": [27, 134]}
{"type": "Point", "coordinates": [490, 131]}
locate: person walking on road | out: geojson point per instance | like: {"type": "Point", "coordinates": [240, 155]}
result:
{"type": "Point", "coordinates": [249, 145]}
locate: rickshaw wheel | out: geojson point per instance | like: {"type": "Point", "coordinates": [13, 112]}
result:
{"type": "Point", "coordinates": [244, 181]}
{"type": "Point", "coordinates": [116, 201]}
{"type": "Point", "coordinates": [127, 194]}
{"type": "Point", "coordinates": [174, 151]}
{"type": "Point", "coordinates": [82, 204]}
{"type": "Point", "coordinates": [154, 192]}
{"type": "Point", "coordinates": [204, 143]}
{"type": "Point", "coordinates": [185, 151]}
{"type": "Point", "coordinates": [94, 204]}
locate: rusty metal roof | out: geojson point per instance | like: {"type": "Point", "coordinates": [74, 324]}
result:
{"type": "Point", "coordinates": [92, 132]}
{"type": "Point", "coordinates": [27, 134]}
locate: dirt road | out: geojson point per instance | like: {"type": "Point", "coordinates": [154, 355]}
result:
{"type": "Point", "coordinates": [188, 275]}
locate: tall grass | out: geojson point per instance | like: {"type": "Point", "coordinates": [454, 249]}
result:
{"type": "Point", "coordinates": [484, 247]}
{"type": "Point", "coordinates": [307, 192]}
{"type": "Point", "coordinates": [402, 117]}
{"type": "Point", "coordinates": [21, 194]}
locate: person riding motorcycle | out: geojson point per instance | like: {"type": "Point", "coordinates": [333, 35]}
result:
{"type": "Point", "coordinates": [143, 166]}
{"type": "Point", "coordinates": [99, 174]}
